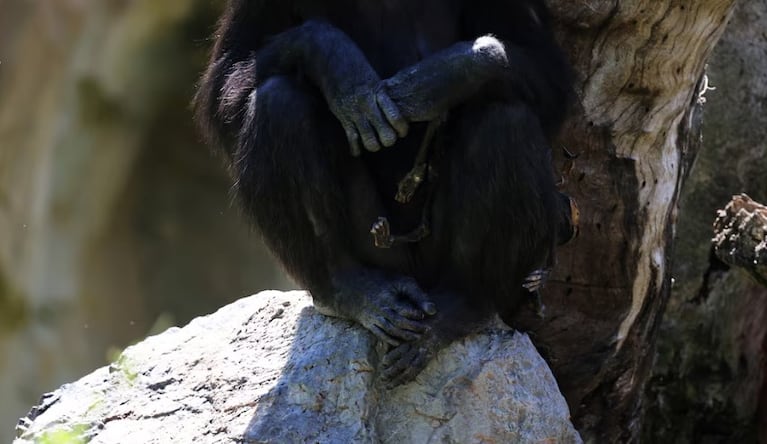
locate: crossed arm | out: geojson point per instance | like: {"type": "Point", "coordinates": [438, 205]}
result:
{"type": "Point", "coordinates": [507, 60]}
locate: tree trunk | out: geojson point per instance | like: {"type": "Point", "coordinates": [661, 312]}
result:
{"type": "Point", "coordinates": [636, 132]}
{"type": "Point", "coordinates": [711, 365]}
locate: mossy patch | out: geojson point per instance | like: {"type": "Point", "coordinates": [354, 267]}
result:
{"type": "Point", "coordinates": [64, 435]}
{"type": "Point", "coordinates": [125, 367]}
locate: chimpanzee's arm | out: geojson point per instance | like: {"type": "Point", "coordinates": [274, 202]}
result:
{"type": "Point", "coordinates": [258, 39]}
{"type": "Point", "coordinates": [351, 87]}
{"type": "Point", "coordinates": [231, 74]}
{"type": "Point", "coordinates": [509, 53]}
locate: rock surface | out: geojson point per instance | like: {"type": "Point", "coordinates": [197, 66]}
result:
{"type": "Point", "coordinates": [269, 368]}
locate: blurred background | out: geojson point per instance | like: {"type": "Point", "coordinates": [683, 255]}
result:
{"type": "Point", "coordinates": [115, 222]}
{"type": "Point", "coordinates": [114, 219]}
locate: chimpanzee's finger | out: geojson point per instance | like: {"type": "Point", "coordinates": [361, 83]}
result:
{"type": "Point", "coordinates": [395, 331]}
{"type": "Point", "coordinates": [392, 113]}
{"type": "Point", "coordinates": [409, 370]}
{"type": "Point", "coordinates": [396, 361]}
{"type": "Point", "coordinates": [409, 312]}
{"type": "Point", "coordinates": [418, 297]}
{"type": "Point", "coordinates": [354, 140]}
{"type": "Point", "coordinates": [398, 365]}
{"type": "Point", "coordinates": [407, 324]}
{"type": "Point", "coordinates": [386, 134]}
{"type": "Point", "coordinates": [384, 337]}
{"type": "Point", "coordinates": [368, 136]}
{"type": "Point", "coordinates": [394, 355]}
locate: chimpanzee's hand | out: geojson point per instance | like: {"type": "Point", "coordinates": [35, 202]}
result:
{"type": "Point", "coordinates": [368, 115]}
{"type": "Point", "coordinates": [352, 88]}
{"type": "Point", "coordinates": [414, 98]}
{"type": "Point", "coordinates": [394, 309]}
{"type": "Point", "coordinates": [401, 364]}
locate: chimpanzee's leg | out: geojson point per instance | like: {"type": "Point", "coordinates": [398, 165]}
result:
{"type": "Point", "coordinates": [497, 208]}
{"type": "Point", "coordinates": [314, 204]}
{"type": "Point", "coordinates": [503, 185]}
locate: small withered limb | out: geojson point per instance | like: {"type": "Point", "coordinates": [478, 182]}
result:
{"type": "Point", "coordinates": [382, 237]}
{"type": "Point", "coordinates": [409, 184]}
{"type": "Point", "coordinates": [406, 189]}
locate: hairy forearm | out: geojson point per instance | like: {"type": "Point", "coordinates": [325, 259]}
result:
{"type": "Point", "coordinates": [324, 56]}
{"type": "Point", "coordinates": [427, 89]}
{"type": "Point", "coordinates": [320, 51]}
{"type": "Point", "coordinates": [484, 66]}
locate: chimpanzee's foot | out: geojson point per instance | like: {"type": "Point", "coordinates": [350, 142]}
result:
{"type": "Point", "coordinates": [534, 283]}
{"type": "Point", "coordinates": [536, 303]}
{"type": "Point", "coordinates": [394, 309]}
{"type": "Point", "coordinates": [403, 363]}
{"type": "Point", "coordinates": [536, 280]}
{"type": "Point", "coordinates": [458, 316]}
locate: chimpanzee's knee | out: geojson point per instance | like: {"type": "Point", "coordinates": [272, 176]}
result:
{"type": "Point", "coordinates": [281, 145]}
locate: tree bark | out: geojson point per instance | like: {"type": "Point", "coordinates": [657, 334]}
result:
{"type": "Point", "coordinates": [637, 131]}
{"type": "Point", "coordinates": [709, 374]}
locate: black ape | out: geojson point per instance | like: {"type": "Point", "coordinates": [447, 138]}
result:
{"type": "Point", "coordinates": [323, 108]}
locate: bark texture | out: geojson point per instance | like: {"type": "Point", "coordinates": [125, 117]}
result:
{"type": "Point", "coordinates": [708, 382]}
{"type": "Point", "coordinates": [640, 63]}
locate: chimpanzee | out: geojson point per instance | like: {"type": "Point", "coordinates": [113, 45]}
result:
{"type": "Point", "coordinates": [395, 156]}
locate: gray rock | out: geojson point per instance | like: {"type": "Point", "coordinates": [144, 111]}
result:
{"type": "Point", "coordinates": [269, 368]}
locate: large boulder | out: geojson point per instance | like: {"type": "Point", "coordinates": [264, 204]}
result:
{"type": "Point", "coordinates": [269, 368]}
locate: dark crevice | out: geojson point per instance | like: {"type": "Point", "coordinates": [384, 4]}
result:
{"type": "Point", "coordinates": [715, 268]}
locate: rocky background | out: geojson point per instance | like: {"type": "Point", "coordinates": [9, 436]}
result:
{"type": "Point", "coordinates": [114, 220]}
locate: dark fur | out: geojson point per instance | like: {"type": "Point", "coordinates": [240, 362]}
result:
{"type": "Point", "coordinates": [495, 210]}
